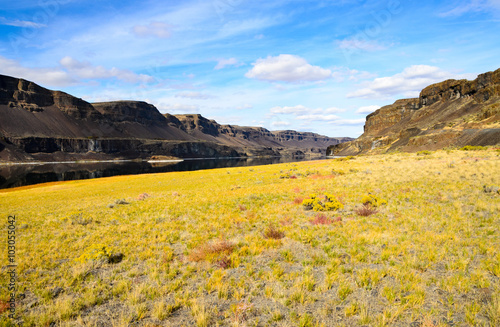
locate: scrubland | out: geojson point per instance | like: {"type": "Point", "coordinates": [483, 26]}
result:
{"type": "Point", "coordinates": [386, 240]}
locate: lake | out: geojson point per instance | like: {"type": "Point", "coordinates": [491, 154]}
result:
{"type": "Point", "coordinates": [30, 174]}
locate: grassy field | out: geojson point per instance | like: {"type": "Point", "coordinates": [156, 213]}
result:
{"type": "Point", "coordinates": [391, 240]}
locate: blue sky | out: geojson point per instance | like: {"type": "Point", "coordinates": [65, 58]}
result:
{"type": "Point", "coordinates": [318, 66]}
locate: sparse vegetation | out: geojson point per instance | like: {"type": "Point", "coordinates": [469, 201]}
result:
{"type": "Point", "coordinates": [473, 148]}
{"type": "Point", "coordinates": [236, 247]}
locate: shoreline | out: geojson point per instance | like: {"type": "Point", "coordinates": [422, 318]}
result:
{"type": "Point", "coordinates": [27, 163]}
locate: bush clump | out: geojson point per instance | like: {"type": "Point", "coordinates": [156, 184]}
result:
{"type": "Point", "coordinates": [94, 253]}
{"type": "Point", "coordinates": [273, 233]}
{"type": "Point", "coordinates": [327, 202]}
{"type": "Point", "coordinates": [424, 153]}
{"type": "Point", "coordinates": [473, 148]}
{"type": "Point", "coordinates": [373, 200]}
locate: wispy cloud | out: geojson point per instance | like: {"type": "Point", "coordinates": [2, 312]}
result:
{"type": "Point", "coordinates": [318, 117]}
{"type": "Point", "coordinates": [278, 124]}
{"type": "Point", "coordinates": [464, 7]}
{"type": "Point", "coordinates": [154, 29]}
{"type": "Point", "coordinates": [20, 23]}
{"type": "Point", "coordinates": [367, 110]}
{"type": "Point", "coordinates": [287, 68]}
{"type": "Point", "coordinates": [86, 70]}
{"type": "Point", "coordinates": [358, 44]}
{"type": "Point", "coordinates": [301, 110]}
{"type": "Point", "coordinates": [408, 83]}
{"type": "Point", "coordinates": [222, 63]}
{"type": "Point", "coordinates": [44, 76]}
{"type": "Point", "coordinates": [178, 108]}
{"type": "Point", "coordinates": [194, 95]}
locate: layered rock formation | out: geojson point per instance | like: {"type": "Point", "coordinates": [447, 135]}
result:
{"type": "Point", "coordinates": [40, 124]}
{"type": "Point", "coordinates": [256, 140]}
{"type": "Point", "coordinates": [450, 113]}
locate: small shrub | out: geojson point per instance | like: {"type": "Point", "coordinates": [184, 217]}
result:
{"type": "Point", "coordinates": [242, 207]}
{"type": "Point", "coordinates": [142, 196]}
{"type": "Point", "coordinates": [287, 221]}
{"type": "Point", "coordinates": [80, 220]}
{"type": "Point", "coordinates": [322, 219]}
{"type": "Point", "coordinates": [473, 148]}
{"type": "Point", "coordinates": [241, 311]}
{"type": "Point", "coordinates": [212, 251]}
{"type": "Point", "coordinates": [338, 172]}
{"type": "Point", "coordinates": [424, 153]}
{"type": "Point", "coordinates": [4, 306]}
{"type": "Point", "coordinates": [373, 200]}
{"type": "Point", "coordinates": [273, 233]}
{"type": "Point", "coordinates": [366, 210]}
{"type": "Point", "coordinates": [94, 253]}
{"type": "Point", "coordinates": [328, 203]}
{"type": "Point", "coordinates": [224, 262]}
{"type": "Point", "coordinates": [345, 158]}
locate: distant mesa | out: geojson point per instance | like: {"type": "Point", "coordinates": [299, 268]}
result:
{"type": "Point", "coordinates": [453, 113]}
{"type": "Point", "coordinates": [45, 125]}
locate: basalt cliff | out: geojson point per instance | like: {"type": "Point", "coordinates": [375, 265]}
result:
{"type": "Point", "coordinates": [37, 124]}
{"type": "Point", "coordinates": [453, 113]}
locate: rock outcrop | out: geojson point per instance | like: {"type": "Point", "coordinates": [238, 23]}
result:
{"type": "Point", "coordinates": [256, 140]}
{"type": "Point", "coordinates": [453, 113]}
{"type": "Point", "coordinates": [41, 124]}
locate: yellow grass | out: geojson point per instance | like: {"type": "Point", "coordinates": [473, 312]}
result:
{"type": "Point", "coordinates": [236, 246]}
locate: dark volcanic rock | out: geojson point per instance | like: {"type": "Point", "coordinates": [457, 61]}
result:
{"type": "Point", "coordinates": [130, 111]}
{"type": "Point", "coordinates": [255, 141]}
{"type": "Point", "coordinates": [40, 124]}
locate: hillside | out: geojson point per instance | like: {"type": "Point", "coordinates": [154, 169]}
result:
{"type": "Point", "coordinates": [450, 113]}
{"type": "Point", "coordinates": [247, 138]}
{"type": "Point", "coordinates": [41, 124]}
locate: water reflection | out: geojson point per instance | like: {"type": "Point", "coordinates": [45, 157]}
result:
{"type": "Point", "coordinates": [22, 175]}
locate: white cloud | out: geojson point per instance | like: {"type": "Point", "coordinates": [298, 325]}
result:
{"type": "Point", "coordinates": [340, 74]}
{"type": "Point", "coordinates": [178, 108]}
{"type": "Point", "coordinates": [367, 110]}
{"type": "Point", "coordinates": [349, 121]}
{"type": "Point", "coordinates": [472, 6]}
{"type": "Point", "coordinates": [302, 110]}
{"type": "Point", "coordinates": [280, 124]}
{"type": "Point", "coordinates": [245, 106]}
{"type": "Point", "coordinates": [194, 95]}
{"type": "Point", "coordinates": [153, 29]}
{"type": "Point", "coordinates": [318, 117]}
{"type": "Point", "coordinates": [227, 62]}
{"type": "Point", "coordinates": [43, 76]}
{"type": "Point", "coordinates": [408, 83]}
{"type": "Point", "coordinates": [358, 44]}
{"type": "Point", "coordinates": [287, 68]}
{"type": "Point", "coordinates": [86, 70]}
{"type": "Point", "coordinates": [20, 23]}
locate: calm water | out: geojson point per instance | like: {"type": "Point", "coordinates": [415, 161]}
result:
{"type": "Point", "coordinates": [21, 175]}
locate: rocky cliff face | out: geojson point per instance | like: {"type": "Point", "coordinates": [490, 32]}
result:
{"type": "Point", "coordinates": [40, 124]}
{"type": "Point", "coordinates": [130, 111]}
{"type": "Point", "coordinates": [250, 139]}
{"type": "Point", "coordinates": [450, 113]}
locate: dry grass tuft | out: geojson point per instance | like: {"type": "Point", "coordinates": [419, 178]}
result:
{"type": "Point", "coordinates": [273, 233]}
{"type": "Point", "coordinates": [298, 200]}
{"type": "Point", "coordinates": [209, 251]}
{"type": "Point", "coordinates": [322, 219]}
{"type": "Point", "coordinates": [366, 210]}
{"type": "Point", "coordinates": [224, 263]}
